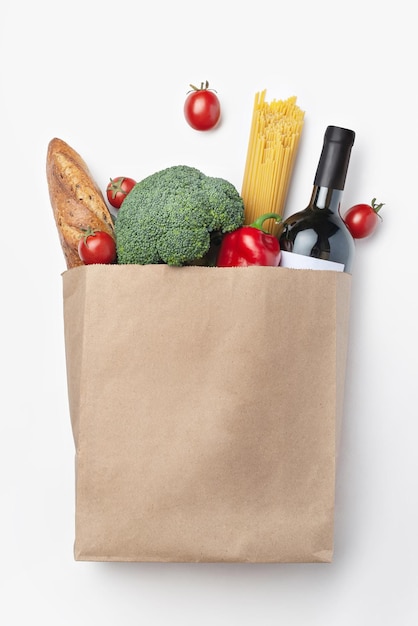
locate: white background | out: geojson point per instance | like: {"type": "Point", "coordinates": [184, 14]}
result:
{"type": "Point", "coordinates": [110, 79]}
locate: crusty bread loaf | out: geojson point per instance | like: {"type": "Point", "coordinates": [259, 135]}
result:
{"type": "Point", "coordinates": [76, 200]}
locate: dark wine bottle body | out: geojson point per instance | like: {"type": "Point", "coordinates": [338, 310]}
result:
{"type": "Point", "coordinates": [317, 238]}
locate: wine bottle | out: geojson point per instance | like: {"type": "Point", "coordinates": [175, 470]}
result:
{"type": "Point", "coordinates": [317, 237]}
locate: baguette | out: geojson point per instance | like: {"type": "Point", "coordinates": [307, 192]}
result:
{"type": "Point", "coordinates": [76, 200]}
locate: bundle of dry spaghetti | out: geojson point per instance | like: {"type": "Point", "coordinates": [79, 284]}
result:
{"type": "Point", "coordinates": [275, 131]}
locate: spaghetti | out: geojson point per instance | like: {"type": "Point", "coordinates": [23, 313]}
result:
{"type": "Point", "coordinates": [275, 131]}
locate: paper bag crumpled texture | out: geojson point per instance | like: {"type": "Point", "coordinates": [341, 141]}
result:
{"type": "Point", "coordinates": [205, 405]}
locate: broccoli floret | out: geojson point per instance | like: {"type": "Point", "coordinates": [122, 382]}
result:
{"type": "Point", "coordinates": [169, 216]}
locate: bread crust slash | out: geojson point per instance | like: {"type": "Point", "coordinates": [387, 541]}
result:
{"type": "Point", "coordinates": [76, 200]}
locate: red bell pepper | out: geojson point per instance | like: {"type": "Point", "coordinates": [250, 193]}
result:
{"type": "Point", "coordinates": [250, 245]}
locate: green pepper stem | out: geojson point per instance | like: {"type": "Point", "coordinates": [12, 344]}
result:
{"type": "Point", "coordinates": [258, 223]}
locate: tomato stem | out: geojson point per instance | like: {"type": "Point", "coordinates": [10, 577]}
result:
{"type": "Point", "coordinates": [376, 207]}
{"type": "Point", "coordinates": [203, 87]}
{"type": "Point", "coordinates": [116, 186]}
{"type": "Point", "coordinates": [88, 232]}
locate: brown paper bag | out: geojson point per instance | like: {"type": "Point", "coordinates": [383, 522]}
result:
{"type": "Point", "coordinates": [205, 404]}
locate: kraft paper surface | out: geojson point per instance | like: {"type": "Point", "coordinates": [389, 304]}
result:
{"type": "Point", "coordinates": [205, 405]}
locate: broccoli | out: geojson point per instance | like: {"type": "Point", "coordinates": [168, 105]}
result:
{"type": "Point", "coordinates": [171, 216]}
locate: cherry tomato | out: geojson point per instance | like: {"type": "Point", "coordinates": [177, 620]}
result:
{"type": "Point", "coordinates": [362, 219]}
{"type": "Point", "coordinates": [202, 109]}
{"type": "Point", "coordinates": [118, 189]}
{"type": "Point", "coordinates": [97, 246]}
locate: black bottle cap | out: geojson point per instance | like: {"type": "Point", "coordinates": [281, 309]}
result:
{"type": "Point", "coordinates": [335, 157]}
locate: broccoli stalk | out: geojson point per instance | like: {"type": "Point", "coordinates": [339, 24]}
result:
{"type": "Point", "coordinates": [175, 216]}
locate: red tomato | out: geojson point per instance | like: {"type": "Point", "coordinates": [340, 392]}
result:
{"type": "Point", "coordinates": [202, 109]}
{"type": "Point", "coordinates": [118, 189]}
{"type": "Point", "coordinates": [362, 219]}
{"type": "Point", "coordinates": [96, 246]}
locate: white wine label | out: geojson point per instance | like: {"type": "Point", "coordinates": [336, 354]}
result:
{"type": "Point", "coordinates": [302, 262]}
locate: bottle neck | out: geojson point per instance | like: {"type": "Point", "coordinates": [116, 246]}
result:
{"type": "Point", "coordinates": [325, 198]}
{"type": "Point", "coordinates": [335, 157]}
